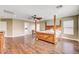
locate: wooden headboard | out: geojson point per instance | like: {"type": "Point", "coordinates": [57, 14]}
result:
{"type": "Point", "coordinates": [47, 27]}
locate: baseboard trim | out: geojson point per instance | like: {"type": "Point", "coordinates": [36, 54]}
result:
{"type": "Point", "coordinates": [71, 39]}
{"type": "Point", "coordinates": [18, 35]}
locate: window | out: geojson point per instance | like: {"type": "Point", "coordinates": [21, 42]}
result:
{"type": "Point", "coordinates": [68, 27]}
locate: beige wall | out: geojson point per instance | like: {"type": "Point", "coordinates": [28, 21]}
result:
{"type": "Point", "coordinates": [9, 26]}
{"type": "Point", "coordinates": [75, 19]}
{"type": "Point", "coordinates": [0, 19]}
{"type": "Point", "coordinates": [18, 28]}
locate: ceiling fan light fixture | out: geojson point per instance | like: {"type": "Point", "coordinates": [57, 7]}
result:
{"type": "Point", "coordinates": [34, 16]}
{"type": "Point", "coordinates": [59, 6]}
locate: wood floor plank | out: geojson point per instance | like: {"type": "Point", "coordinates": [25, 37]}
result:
{"type": "Point", "coordinates": [27, 45]}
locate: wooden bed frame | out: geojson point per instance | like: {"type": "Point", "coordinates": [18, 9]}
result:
{"type": "Point", "coordinates": [47, 36]}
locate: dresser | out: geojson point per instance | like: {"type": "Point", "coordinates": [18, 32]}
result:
{"type": "Point", "coordinates": [1, 42]}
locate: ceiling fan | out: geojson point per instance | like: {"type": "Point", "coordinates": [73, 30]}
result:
{"type": "Point", "coordinates": [36, 17]}
{"type": "Point", "coordinates": [59, 6]}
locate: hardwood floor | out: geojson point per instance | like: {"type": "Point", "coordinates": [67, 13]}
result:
{"type": "Point", "coordinates": [27, 45]}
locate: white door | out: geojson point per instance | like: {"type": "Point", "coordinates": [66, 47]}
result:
{"type": "Point", "coordinates": [26, 25]}
{"type": "Point", "coordinates": [3, 27]}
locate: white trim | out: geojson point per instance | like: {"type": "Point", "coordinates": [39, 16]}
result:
{"type": "Point", "coordinates": [18, 35]}
{"type": "Point", "coordinates": [15, 35]}
{"type": "Point", "coordinates": [71, 39]}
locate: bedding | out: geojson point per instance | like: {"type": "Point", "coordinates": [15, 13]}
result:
{"type": "Point", "coordinates": [51, 31]}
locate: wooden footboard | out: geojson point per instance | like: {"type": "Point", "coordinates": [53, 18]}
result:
{"type": "Point", "coordinates": [46, 37]}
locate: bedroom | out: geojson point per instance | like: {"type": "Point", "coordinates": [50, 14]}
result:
{"type": "Point", "coordinates": [19, 24]}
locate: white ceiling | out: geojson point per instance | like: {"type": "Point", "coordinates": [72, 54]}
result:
{"type": "Point", "coordinates": [45, 11]}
